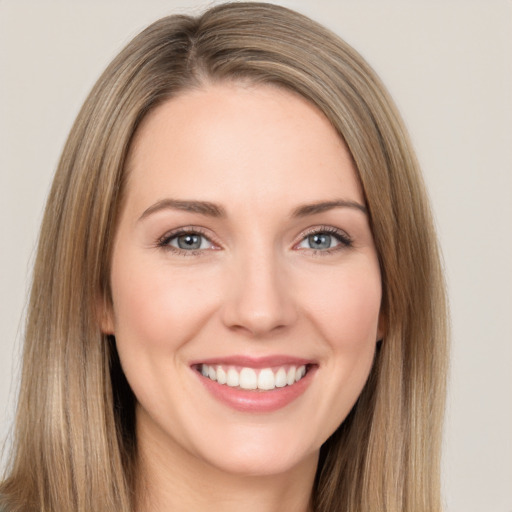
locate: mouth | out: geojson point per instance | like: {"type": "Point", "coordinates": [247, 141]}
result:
{"type": "Point", "coordinates": [256, 385]}
{"type": "Point", "coordinates": [252, 379]}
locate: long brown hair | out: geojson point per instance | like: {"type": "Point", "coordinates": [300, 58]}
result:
{"type": "Point", "coordinates": [75, 447]}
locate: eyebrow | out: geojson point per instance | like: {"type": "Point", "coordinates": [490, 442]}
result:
{"type": "Point", "coordinates": [323, 206]}
{"type": "Point", "coordinates": [201, 207]}
{"type": "Point", "coordinates": [214, 210]}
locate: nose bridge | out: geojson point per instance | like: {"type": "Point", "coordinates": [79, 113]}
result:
{"type": "Point", "coordinates": [259, 299]}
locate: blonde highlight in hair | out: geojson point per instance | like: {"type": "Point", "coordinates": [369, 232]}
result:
{"type": "Point", "coordinates": [75, 446]}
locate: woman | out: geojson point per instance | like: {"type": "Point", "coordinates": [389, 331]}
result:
{"type": "Point", "coordinates": [237, 299]}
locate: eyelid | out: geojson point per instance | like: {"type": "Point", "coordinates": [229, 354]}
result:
{"type": "Point", "coordinates": [342, 236]}
{"type": "Point", "coordinates": [163, 241]}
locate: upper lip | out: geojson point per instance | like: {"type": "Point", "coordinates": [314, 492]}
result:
{"type": "Point", "coordinates": [254, 362]}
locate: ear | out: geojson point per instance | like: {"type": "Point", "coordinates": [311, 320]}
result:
{"type": "Point", "coordinates": [105, 314]}
{"type": "Point", "coordinates": [382, 326]}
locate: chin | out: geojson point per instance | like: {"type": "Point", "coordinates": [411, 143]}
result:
{"type": "Point", "coordinates": [252, 453]}
{"type": "Point", "coordinates": [263, 465]}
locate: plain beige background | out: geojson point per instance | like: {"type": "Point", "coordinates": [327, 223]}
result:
{"type": "Point", "coordinates": [448, 64]}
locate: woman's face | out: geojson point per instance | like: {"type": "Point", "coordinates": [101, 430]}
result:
{"type": "Point", "coordinates": [245, 281]}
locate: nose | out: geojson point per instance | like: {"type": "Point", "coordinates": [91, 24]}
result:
{"type": "Point", "coordinates": [259, 296]}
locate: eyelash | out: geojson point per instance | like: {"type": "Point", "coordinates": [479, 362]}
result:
{"type": "Point", "coordinates": [164, 241]}
{"type": "Point", "coordinates": [342, 237]}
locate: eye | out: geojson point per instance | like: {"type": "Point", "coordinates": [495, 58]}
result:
{"type": "Point", "coordinates": [186, 241]}
{"type": "Point", "coordinates": [325, 240]}
{"type": "Point", "coordinates": [319, 241]}
{"type": "Point", "coordinates": [190, 241]}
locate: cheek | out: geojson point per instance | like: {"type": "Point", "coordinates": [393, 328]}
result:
{"type": "Point", "coordinates": [347, 319]}
{"type": "Point", "coordinates": [159, 308]}
{"type": "Point", "coordinates": [157, 312]}
{"type": "Point", "coordinates": [346, 308]}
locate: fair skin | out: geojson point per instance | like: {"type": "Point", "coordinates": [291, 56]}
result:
{"type": "Point", "coordinates": [243, 245]}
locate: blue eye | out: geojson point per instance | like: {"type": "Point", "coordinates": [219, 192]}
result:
{"type": "Point", "coordinates": [325, 240]}
{"type": "Point", "coordinates": [186, 241]}
{"type": "Point", "coordinates": [190, 241]}
{"type": "Point", "coordinates": [321, 241]}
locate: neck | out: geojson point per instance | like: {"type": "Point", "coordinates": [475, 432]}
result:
{"type": "Point", "coordinates": [170, 478]}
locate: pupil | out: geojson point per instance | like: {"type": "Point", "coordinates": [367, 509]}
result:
{"type": "Point", "coordinates": [320, 241]}
{"type": "Point", "coordinates": [189, 242]}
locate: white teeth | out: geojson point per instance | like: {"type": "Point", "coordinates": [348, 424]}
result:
{"type": "Point", "coordinates": [281, 378]}
{"type": "Point", "coordinates": [233, 378]}
{"type": "Point", "coordinates": [265, 379]}
{"type": "Point", "coordinates": [222, 378]}
{"type": "Point", "coordinates": [248, 379]}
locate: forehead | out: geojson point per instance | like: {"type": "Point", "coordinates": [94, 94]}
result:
{"type": "Point", "coordinates": [227, 141]}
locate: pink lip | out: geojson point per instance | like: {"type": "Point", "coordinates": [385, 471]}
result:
{"type": "Point", "coordinates": [256, 401]}
{"type": "Point", "coordinates": [254, 362]}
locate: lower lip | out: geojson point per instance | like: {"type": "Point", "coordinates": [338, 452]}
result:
{"type": "Point", "coordinates": [257, 401]}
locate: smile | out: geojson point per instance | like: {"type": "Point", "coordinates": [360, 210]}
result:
{"type": "Point", "coordinates": [256, 385]}
{"type": "Point", "coordinates": [263, 379]}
